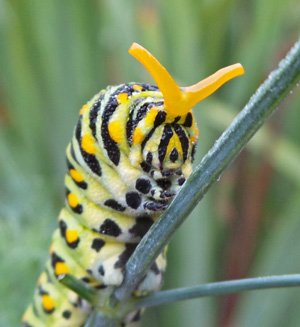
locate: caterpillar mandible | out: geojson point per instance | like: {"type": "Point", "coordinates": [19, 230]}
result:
{"type": "Point", "coordinates": [131, 151]}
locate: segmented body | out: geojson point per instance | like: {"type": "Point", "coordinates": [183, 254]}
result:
{"type": "Point", "coordinates": [127, 159]}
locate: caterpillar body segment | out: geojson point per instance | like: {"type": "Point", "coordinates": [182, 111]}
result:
{"type": "Point", "coordinates": [129, 156]}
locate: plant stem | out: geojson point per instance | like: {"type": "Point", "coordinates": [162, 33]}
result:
{"type": "Point", "coordinates": [219, 288]}
{"type": "Point", "coordinates": [260, 107]}
{"type": "Point", "coordinates": [84, 290]}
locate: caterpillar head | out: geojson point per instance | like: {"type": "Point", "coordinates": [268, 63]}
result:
{"type": "Point", "coordinates": [167, 136]}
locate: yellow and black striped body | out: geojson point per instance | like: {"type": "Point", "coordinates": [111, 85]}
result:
{"type": "Point", "coordinates": [127, 159]}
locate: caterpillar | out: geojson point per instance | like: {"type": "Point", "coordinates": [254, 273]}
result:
{"type": "Point", "coordinates": [131, 152]}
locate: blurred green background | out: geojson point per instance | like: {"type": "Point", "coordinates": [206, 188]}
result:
{"type": "Point", "coordinates": [55, 55]}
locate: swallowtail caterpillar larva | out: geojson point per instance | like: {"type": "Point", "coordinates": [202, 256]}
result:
{"type": "Point", "coordinates": [131, 151]}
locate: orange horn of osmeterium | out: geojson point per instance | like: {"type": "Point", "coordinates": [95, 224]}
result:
{"type": "Point", "coordinates": [180, 100]}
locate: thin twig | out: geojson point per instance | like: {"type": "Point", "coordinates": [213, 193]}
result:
{"type": "Point", "coordinates": [227, 287]}
{"type": "Point", "coordinates": [84, 290]}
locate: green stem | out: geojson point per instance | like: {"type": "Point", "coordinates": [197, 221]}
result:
{"type": "Point", "coordinates": [219, 288]}
{"type": "Point", "coordinates": [260, 107]}
{"type": "Point", "coordinates": [84, 290]}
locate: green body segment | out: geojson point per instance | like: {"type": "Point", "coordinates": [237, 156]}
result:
{"type": "Point", "coordinates": [127, 160]}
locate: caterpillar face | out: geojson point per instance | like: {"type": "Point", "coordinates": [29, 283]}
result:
{"type": "Point", "coordinates": [161, 144]}
{"type": "Point", "coordinates": [131, 151]}
{"type": "Point", "coordinates": [168, 145]}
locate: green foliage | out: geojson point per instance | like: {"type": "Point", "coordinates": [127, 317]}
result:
{"type": "Point", "coordinates": [56, 55]}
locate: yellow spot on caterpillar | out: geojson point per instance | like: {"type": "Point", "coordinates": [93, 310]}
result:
{"type": "Point", "coordinates": [71, 235]}
{"type": "Point", "coordinates": [47, 302]}
{"type": "Point", "coordinates": [83, 109]}
{"type": "Point", "coordinates": [174, 143]}
{"type": "Point", "coordinates": [72, 199]}
{"type": "Point", "coordinates": [88, 144]}
{"type": "Point", "coordinates": [75, 174]}
{"type": "Point", "coordinates": [122, 97]}
{"type": "Point", "coordinates": [151, 116]}
{"type": "Point", "coordinates": [137, 87]}
{"type": "Point", "coordinates": [193, 139]}
{"type": "Point", "coordinates": [115, 131]}
{"type": "Point", "coordinates": [61, 268]}
{"type": "Point", "coordinates": [51, 249]}
{"type": "Point", "coordinates": [137, 136]}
